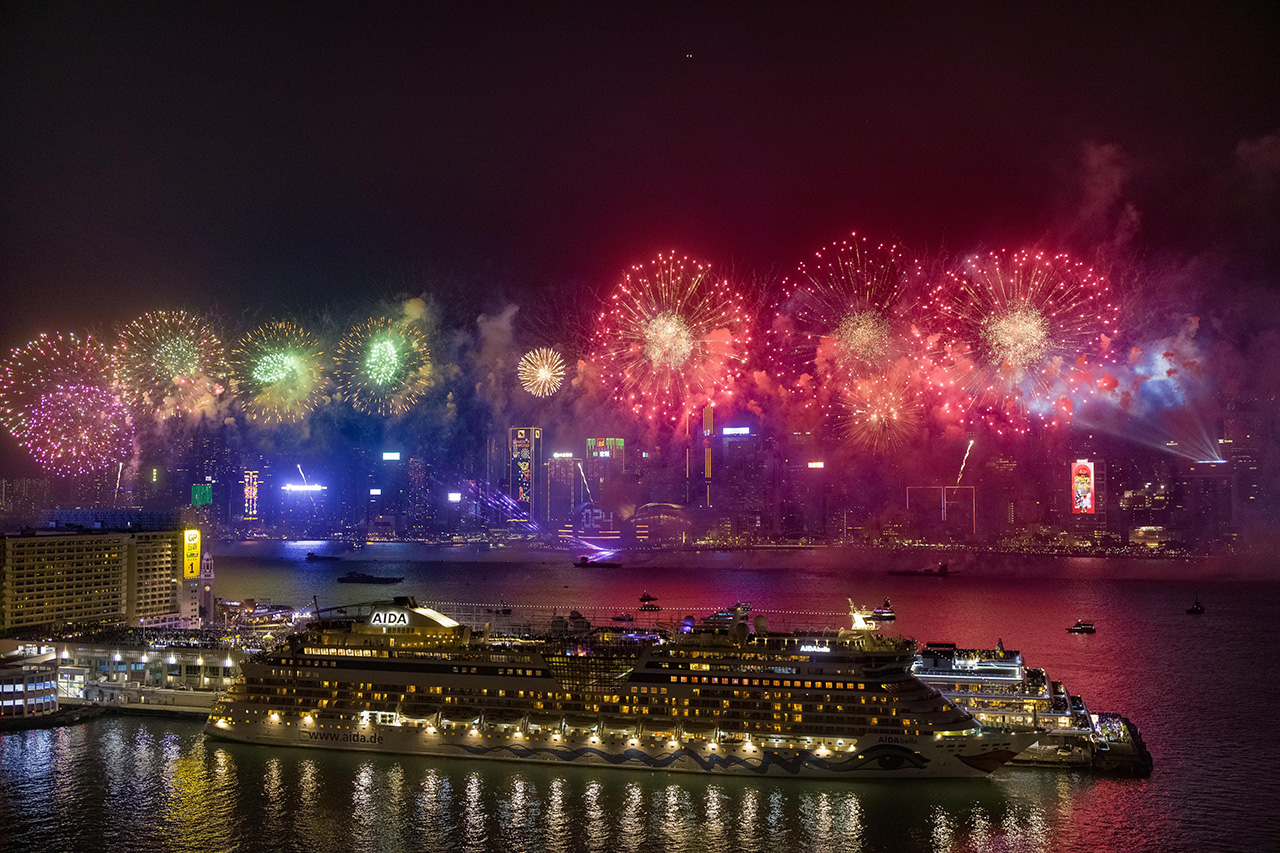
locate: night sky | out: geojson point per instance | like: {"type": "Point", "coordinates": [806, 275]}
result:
{"type": "Point", "coordinates": [256, 161]}
{"type": "Point", "coordinates": [270, 157]}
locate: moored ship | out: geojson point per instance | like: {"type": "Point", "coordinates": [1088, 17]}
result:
{"type": "Point", "coordinates": [408, 679]}
{"type": "Point", "coordinates": [997, 688]}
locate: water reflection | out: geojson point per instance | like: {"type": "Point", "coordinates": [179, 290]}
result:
{"type": "Point", "coordinates": [475, 813]}
{"type": "Point", "coordinates": [145, 784]}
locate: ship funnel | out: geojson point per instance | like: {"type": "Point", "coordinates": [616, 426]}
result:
{"type": "Point", "coordinates": [762, 624]}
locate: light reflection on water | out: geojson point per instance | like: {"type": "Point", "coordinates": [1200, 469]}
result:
{"type": "Point", "coordinates": [1194, 687]}
{"type": "Point", "coordinates": [159, 784]}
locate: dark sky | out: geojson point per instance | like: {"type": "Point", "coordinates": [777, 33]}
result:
{"type": "Point", "coordinates": [276, 156]}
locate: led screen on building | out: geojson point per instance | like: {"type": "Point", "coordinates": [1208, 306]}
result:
{"type": "Point", "coordinates": [201, 494]}
{"type": "Point", "coordinates": [1082, 490]}
{"type": "Point", "coordinates": [250, 495]}
{"type": "Point", "coordinates": [191, 553]}
{"type": "Point", "coordinates": [522, 465]}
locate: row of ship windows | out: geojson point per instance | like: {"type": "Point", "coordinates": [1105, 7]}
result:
{"type": "Point", "coordinates": [765, 682]}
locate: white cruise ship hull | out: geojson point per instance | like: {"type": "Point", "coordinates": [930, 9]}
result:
{"type": "Point", "coordinates": [870, 757]}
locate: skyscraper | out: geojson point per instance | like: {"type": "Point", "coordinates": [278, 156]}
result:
{"type": "Point", "coordinates": [525, 449]}
{"type": "Point", "coordinates": [564, 488]}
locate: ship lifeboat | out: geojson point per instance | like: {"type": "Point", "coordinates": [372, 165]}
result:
{"type": "Point", "coordinates": [618, 724]}
{"type": "Point", "coordinates": [543, 720]}
{"type": "Point", "coordinates": [699, 728]}
{"type": "Point", "coordinates": [460, 716]}
{"type": "Point", "coordinates": [419, 711]}
{"type": "Point", "coordinates": [506, 717]}
{"type": "Point", "coordinates": [581, 722]}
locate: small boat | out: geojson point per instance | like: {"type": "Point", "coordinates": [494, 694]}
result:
{"type": "Point", "coordinates": [313, 557]}
{"type": "Point", "coordinates": [1082, 627]}
{"type": "Point", "coordinates": [884, 613]}
{"type": "Point", "coordinates": [646, 597]}
{"type": "Point", "coordinates": [1195, 609]}
{"type": "Point", "coordinates": [503, 609]}
{"type": "Point", "coordinates": [624, 617]}
{"type": "Point", "coordinates": [943, 571]}
{"type": "Point", "coordinates": [361, 577]}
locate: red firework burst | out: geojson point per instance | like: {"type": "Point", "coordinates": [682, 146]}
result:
{"type": "Point", "coordinates": [848, 311]}
{"type": "Point", "coordinates": [1025, 331]}
{"type": "Point", "coordinates": [674, 336]}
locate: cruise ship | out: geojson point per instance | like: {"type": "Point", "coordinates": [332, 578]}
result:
{"type": "Point", "coordinates": [997, 688]}
{"type": "Point", "coordinates": [839, 703]}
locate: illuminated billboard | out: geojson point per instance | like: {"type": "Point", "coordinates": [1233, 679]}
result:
{"type": "Point", "coordinates": [201, 494]}
{"type": "Point", "coordinates": [191, 553]}
{"type": "Point", "coordinates": [391, 456]}
{"type": "Point", "coordinates": [525, 446]}
{"type": "Point", "coordinates": [1082, 488]}
{"type": "Point", "coordinates": [250, 495]}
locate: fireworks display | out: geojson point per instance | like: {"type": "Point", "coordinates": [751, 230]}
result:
{"type": "Point", "coordinates": [56, 401]}
{"type": "Point", "coordinates": [78, 429]}
{"type": "Point", "coordinates": [169, 362]}
{"type": "Point", "coordinates": [849, 310]}
{"type": "Point", "coordinates": [674, 336]}
{"type": "Point", "coordinates": [541, 372]}
{"type": "Point", "coordinates": [880, 414]}
{"type": "Point", "coordinates": [1029, 328]}
{"type": "Point", "coordinates": [50, 360]}
{"type": "Point", "coordinates": [279, 372]}
{"type": "Point", "coordinates": [383, 367]}
{"type": "Point", "coordinates": [860, 340]}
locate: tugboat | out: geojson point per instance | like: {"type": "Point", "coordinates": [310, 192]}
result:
{"type": "Point", "coordinates": [884, 613]}
{"type": "Point", "coordinates": [624, 617]}
{"type": "Point", "coordinates": [361, 577]}
{"type": "Point", "coordinates": [1082, 627]}
{"type": "Point", "coordinates": [1195, 609]}
{"type": "Point", "coordinates": [647, 602]}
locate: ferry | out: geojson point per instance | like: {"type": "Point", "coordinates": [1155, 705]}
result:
{"type": "Point", "coordinates": [836, 703]}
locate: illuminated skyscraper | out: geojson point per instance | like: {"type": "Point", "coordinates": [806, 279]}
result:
{"type": "Point", "coordinates": [604, 461]}
{"type": "Point", "coordinates": [524, 445]}
{"type": "Point", "coordinates": [564, 488]}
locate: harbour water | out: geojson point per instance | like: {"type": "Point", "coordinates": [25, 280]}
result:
{"type": "Point", "coordinates": [1199, 687]}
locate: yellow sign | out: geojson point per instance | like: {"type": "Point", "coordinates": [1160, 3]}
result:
{"type": "Point", "coordinates": [191, 554]}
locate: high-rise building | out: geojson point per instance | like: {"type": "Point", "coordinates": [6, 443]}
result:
{"type": "Point", "coordinates": [565, 491]}
{"type": "Point", "coordinates": [745, 482]}
{"type": "Point", "coordinates": [419, 511]}
{"type": "Point", "coordinates": [1086, 497]}
{"type": "Point", "coordinates": [524, 445]}
{"type": "Point", "coordinates": [1203, 503]}
{"type": "Point", "coordinates": [136, 578]}
{"type": "Point", "coordinates": [804, 487]}
{"type": "Point", "coordinates": [604, 463]}
{"type": "Point", "coordinates": [251, 494]}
